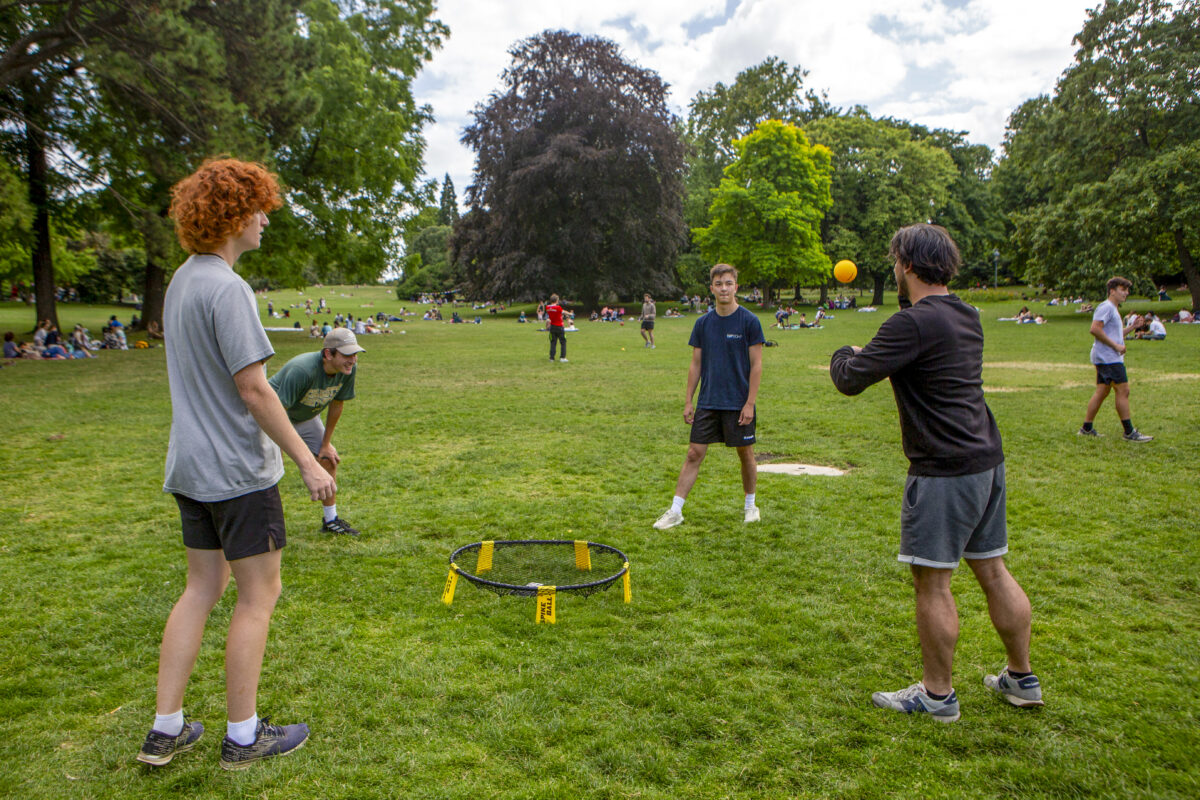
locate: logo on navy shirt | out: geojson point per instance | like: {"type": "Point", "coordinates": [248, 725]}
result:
{"type": "Point", "coordinates": [733, 336]}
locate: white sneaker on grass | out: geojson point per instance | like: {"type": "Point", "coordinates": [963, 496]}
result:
{"type": "Point", "coordinates": [1023, 692]}
{"type": "Point", "coordinates": [916, 700]}
{"type": "Point", "coordinates": [669, 519]}
{"type": "Point", "coordinates": [752, 514]}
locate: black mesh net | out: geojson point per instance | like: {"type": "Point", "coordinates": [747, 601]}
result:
{"type": "Point", "coordinates": [520, 567]}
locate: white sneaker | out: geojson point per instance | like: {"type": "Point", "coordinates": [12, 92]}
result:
{"type": "Point", "coordinates": [562, 361]}
{"type": "Point", "coordinates": [669, 519]}
{"type": "Point", "coordinates": [752, 514]}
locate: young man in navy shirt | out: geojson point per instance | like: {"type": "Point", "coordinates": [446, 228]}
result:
{"type": "Point", "coordinates": [727, 363]}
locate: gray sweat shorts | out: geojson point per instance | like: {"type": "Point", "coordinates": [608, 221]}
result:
{"type": "Point", "coordinates": [312, 431]}
{"type": "Point", "coordinates": [945, 519]}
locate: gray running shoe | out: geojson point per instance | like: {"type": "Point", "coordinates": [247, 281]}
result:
{"type": "Point", "coordinates": [1088, 432]}
{"type": "Point", "coordinates": [915, 700]}
{"type": "Point", "coordinates": [269, 740]}
{"type": "Point", "coordinates": [1024, 693]}
{"type": "Point", "coordinates": [159, 748]}
{"type": "Point", "coordinates": [1137, 436]}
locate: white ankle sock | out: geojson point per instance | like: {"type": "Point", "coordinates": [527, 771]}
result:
{"type": "Point", "coordinates": [170, 724]}
{"type": "Point", "coordinates": [749, 501]}
{"type": "Point", "coordinates": [677, 503]}
{"type": "Point", "coordinates": [242, 733]}
{"type": "Point", "coordinates": [330, 512]}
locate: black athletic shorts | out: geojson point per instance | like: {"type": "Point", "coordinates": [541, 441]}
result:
{"type": "Point", "coordinates": [1111, 373]}
{"type": "Point", "coordinates": [713, 425]}
{"type": "Point", "coordinates": [647, 324]}
{"type": "Point", "coordinates": [242, 526]}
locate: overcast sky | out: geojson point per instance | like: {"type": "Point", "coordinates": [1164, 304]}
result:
{"type": "Point", "coordinates": [959, 64]}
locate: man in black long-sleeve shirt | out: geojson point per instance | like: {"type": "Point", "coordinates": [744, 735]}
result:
{"type": "Point", "coordinates": [954, 498]}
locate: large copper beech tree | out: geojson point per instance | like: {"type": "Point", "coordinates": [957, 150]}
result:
{"type": "Point", "coordinates": [578, 180]}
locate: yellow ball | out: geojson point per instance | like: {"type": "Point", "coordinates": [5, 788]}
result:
{"type": "Point", "coordinates": [845, 271]}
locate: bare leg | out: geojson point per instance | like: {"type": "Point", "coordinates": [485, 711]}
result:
{"type": "Point", "coordinates": [937, 626]}
{"type": "Point", "coordinates": [331, 468]}
{"type": "Point", "coordinates": [691, 468]}
{"type": "Point", "coordinates": [1093, 406]}
{"type": "Point", "coordinates": [1008, 607]}
{"type": "Point", "coordinates": [208, 574]}
{"type": "Point", "coordinates": [258, 588]}
{"type": "Point", "coordinates": [1122, 400]}
{"type": "Point", "coordinates": [749, 468]}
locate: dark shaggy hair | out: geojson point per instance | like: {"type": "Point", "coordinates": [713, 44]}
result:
{"type": "Point", "coordinates": [1116, 281]}
{"type": "Point", "coordinates": [216, 201]}
{"type": "Point", "coordinates": [929, 250]}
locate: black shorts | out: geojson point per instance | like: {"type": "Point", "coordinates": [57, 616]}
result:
{"type": "Point", "coordinates": [647, 324]}
{"type": "Point", "coordinates": [1111, 373]}
{"type": "Point", "coordinates": [242, 526]}
{"type": "Point", "coordinates": [713, 425]}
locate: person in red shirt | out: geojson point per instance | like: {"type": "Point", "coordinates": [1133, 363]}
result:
{"type": "Point", "coordinates": [554, 319]}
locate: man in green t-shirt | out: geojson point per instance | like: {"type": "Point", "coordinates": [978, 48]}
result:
{"type": "Point", "coordinates": [309, 383]}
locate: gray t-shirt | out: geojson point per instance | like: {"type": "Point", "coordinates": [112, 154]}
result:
{"type": "Point", "coordinates": [1107, 313]}
{"type": "Point", "coordinates": [211, 331]}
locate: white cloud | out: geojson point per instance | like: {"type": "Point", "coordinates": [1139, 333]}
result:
{"type": "Point", "coordinates": [962, 64]}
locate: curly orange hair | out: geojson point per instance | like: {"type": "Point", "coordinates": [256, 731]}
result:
{"type": "Point", "coordinates": [216, 201]}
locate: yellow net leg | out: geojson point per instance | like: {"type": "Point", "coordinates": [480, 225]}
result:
{"type": "Point", "coordinates": [545, 605]}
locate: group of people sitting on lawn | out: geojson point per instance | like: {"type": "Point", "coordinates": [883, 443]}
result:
{"type": "Point", "coordinates": [51, 344]}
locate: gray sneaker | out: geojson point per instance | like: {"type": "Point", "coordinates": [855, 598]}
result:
{"type": "Point", "coordinates": [916, 700]}
{"type": "Point", "coordinates": [1088, 432]}
{"type": "Point", "coordinates": [159, 748]}
{"type": "Point", "coordinates": [1137, 436]}
{"type": "Point", "coordinates": [1024, 693]}
{"type": "Point", "coordinates": [269, 740]}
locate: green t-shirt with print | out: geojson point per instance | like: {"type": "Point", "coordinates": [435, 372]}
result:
{"type": "Point", "coordinates": [305, 389]}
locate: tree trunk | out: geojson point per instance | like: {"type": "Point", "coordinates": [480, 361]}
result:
{"type": "Point", "coordinates": [153, 291]}
{"type": "Point", "coordinates": [1189, 269]}
{"type": "Point", "coordinates": [877, 298]}
{"type": "Point", "coordinates": [43, 260]}
{"type": "Point", "coordinates": [824, 293]}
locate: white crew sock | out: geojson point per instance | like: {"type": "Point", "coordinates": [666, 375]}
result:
{"type": "Point", "coordinates": [170, 724]}
{"type": "Point", "coordinates": [243, 733]}
{"type": "Point", "coordinates": [749, 501]}
{"type": "Point", "coordinates": [677, 504]}
{"type": "Point", "coordinates": [330, 512]}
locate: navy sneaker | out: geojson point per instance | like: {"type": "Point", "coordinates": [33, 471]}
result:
{"type": "Point", "coordinates": [1021, 692]}
{"type": "Point", "coordinates": [915, 700]}
{"type": "Point", "coordinates": [1089, 432]}
{"type": "Point", "coordinates": [269, 740]}
{"type": "Point", "coordinates": [159, 748]}
{"type": "Point", "coordinates": [338, 525]}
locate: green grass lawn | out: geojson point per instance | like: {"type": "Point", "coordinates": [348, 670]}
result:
{"type": "Point", "coordinates": [745, 663]}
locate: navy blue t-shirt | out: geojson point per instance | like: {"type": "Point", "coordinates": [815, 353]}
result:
{"type": "Point", "coordinates": [725, 344]}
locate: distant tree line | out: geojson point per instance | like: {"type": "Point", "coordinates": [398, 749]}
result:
{"type": "Point", "coordinates": [587, 186]}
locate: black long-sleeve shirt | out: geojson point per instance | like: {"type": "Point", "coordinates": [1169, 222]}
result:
{"type": "Point", "coordinates": [933, 353]}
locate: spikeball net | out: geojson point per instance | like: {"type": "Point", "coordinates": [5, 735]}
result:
{"type": "Point", "coordinates": [541, 568]}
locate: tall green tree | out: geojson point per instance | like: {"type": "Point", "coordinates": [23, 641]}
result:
{"type": "Point", "coordinates": [883, 179]}
{"type": "Point", "coordinates": [719, 116]}
{"type": "Point", "coordinates": [767, 211]}
{"type": "Point", "coordinates": [578, 176]}
{"type": "Point", "coordinates": [448, 205]}
{"type": "Point", "coordinates": [1102, 177]}
{"type": "Point", "coordinates": [972, 212]}
{"type": "Point", "coordinates": [350, 163]}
